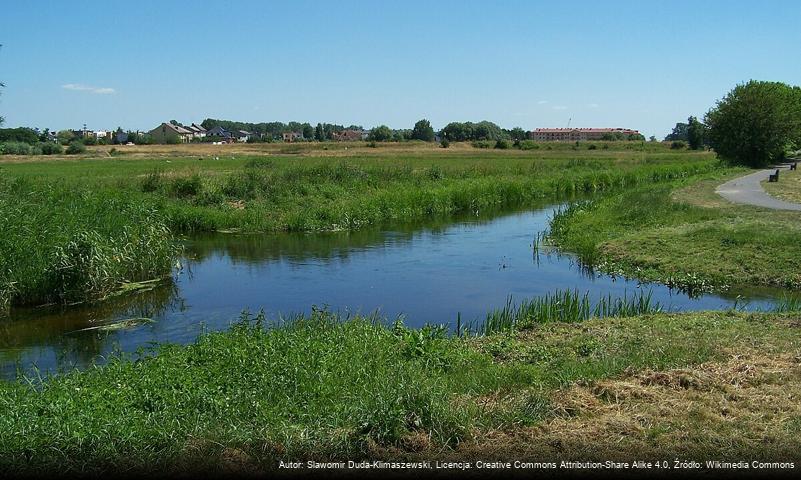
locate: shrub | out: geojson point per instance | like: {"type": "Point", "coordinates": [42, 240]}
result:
{"type": "Point", "coordinates": [16, 148]}
{"type": "Point", "coordinates": [482, 144]}
{"type": "Point", "coordinates": [529, 145]}
{"type": "Point", "coordinates": [592, 146]}
{"type": "Point", "coordinates": [152, 181]}
{"type": "Point", "coordinates": [445, 143]}
{"type": "Point", "coordinates": [75, 147]}
{"type": "Point", "coordinates": [186, 186]}
{"type": "Point", "coordinates": [502, 144]}
{"type": "Point", "coordinates": [50, 148]}
{"type": "Point", "coordinates": [678, 145]}
{"type": "Point", "coordinates": [372, 144]}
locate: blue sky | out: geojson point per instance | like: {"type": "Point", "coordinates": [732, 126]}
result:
{"type": "Point", "coordinates": [643, 65]}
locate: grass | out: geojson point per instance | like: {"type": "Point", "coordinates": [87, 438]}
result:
{"type": "Point", "coordinates": [787, 188]}
{"type": "Point", "coordinates": [569, 306]}
{"type": "Point", "coordinates": [683, 235]}
{"type": "Point", "coordinates": [106, 221]}
{"type": "Point", "coordinates": [66, 245]}
{"type": "Point", "coordinates": [325, 388]}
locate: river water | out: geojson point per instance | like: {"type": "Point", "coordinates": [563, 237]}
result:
{"type": "Point", "coordinates": [428, 272]}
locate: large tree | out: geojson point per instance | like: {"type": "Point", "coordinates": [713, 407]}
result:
{"type": "Point", "coordinates": [422, 131]}
{"type": "Point", "coordinates": [756, 123]}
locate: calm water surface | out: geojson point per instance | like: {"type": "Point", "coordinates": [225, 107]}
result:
{"type": "Point", "coordinates": [428, 273]}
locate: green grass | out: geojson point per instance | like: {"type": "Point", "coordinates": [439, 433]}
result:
{"type": "Point", "coordinates": [567, 306]}
{"type": "Point", "coordinates": [328, 388]}
{"type": "Point", "coordinates": [63, 244]}
{"type": "Point", "coordinates": [675, 234]}
{"type": "Point", "coordinates": [106, 221]}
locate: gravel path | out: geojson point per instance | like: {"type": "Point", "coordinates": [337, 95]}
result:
{"type": "Point", "coordinates": [748, 190]}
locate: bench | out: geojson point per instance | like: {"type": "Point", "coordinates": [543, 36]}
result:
{"type": "Point", "coordinates": [774, 177]}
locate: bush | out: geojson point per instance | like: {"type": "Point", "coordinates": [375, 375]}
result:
{"type": "Point", "coordinates": [372, 144]}
{"type": "Point", "coordinates": [502, 144]}
{"type": "Point", "coordinates": [529, 145]}
{"type": "Point", "coordinates": [186, 186]}
{"type": "Point", "coordinates": [592, 146]}
{"type": "Point", "coordinates": [445, 143]}
{"type": "Point", "coordinates": [152, 182]}
{"type": "Point", "coordinates": [678, 145]}
{"type": "Point", "coordinates": [482, 144]}
{"type": "Point", "coordinates": [16, 148]}
{"type": "Point", "coordinates": [76, 147]}
{"type": "Point", "coordinates": [50, 148]}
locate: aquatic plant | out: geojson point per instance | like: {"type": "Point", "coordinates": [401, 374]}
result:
{"type": "Point", "coordinates": [565, 306]}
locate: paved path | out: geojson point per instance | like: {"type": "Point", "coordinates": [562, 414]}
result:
{"type": "Point", "coordinates": [748, 190]}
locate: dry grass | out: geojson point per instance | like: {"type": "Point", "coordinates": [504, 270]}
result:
{"type": "Point", "coordinates": [747, 407]}
{"type": "Point", "coordinates": [788, 187]}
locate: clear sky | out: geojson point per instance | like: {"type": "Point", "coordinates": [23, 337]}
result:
{"type": "Point", "coordinates": [638, 64]}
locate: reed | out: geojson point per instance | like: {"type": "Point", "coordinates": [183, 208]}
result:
{"type": "Point", "coordinates": [565, 306]}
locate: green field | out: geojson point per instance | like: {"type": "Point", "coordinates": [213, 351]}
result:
{"type": "Point", "coordinates": [321, 388]}
{"type": "Point", "coordinates": [546, 379]}
{"type": "Point", "coordinates": [88, 225]}
{"type": "Point", "coordinates": [685, 235]}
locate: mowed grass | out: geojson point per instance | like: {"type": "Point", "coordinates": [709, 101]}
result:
{"type": "Point", "coordinates": [684, 235]}
{"type": "Point", "coordinates": [78, 228]}
{"type": "Point", "coordinates": [324, 388]}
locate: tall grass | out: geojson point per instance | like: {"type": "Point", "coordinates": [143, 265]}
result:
{"type": "Point", "coordinates": [62, 244]}
{"type": "Point", "coordinates": [787, 304]}
{"type": "Point", "coordinates": [263, 196]}
{"type": "Point", "coordinates": [565, 306]}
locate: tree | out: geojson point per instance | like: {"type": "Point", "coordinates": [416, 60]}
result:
{"type": "Point", "coordinates": [319, 132]}
{"type": "Point", "coordinates": [695, 133]}
{"type": "Point", "coordinates": [307, 131]}
{"type": "Point", "coordinates": [679, 133]}
{"type": "Point", "coordinates": [422, 131]}
{"type": "Point", "coordinates": [382, 133]}
{"type": "Point", "coordinates": [518, 134]}
{"type": "Point", "coordinates": [755, 123]}
{"type": "Point", "coordinates": [64, 137]}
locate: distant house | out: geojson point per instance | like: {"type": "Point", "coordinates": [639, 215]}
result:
{"type": "Point", "coordinates": [197, 130]}
{"type": "Point", "coordinates": [169, 133]}
{"type": "Point", "coordinates": [241, 135]}
{"type": "Point", "coordinates": [218, 131]}
{"type": "Point", "coordinates": [576, 134]}
{"type": "Point", "coordinates": [291, 136]}
{"type": "Point", "coordinates": [348, 135]}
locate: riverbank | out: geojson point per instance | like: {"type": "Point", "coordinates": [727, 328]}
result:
{"type": "Point", "coordinates": [661, 386]}
{"type": "Point", "coordinates": [70, 201]}
{"type": "Point", "coordinates": [683, 234]}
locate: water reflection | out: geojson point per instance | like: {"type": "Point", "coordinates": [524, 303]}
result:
{"type": "Point", "coordinates": [428, 272]}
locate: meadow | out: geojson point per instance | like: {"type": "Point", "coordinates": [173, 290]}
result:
{"type": "Point", "coordinates": [684, 235]}
{"type": "Point", "coordinates": [88, 225]}
{"type": "Point", "coordinates": [329, 388]}
{"type": "Point", "coordinates": [562, 376]}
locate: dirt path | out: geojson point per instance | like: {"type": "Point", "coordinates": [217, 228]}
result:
{"type": "Point", "coordinates": [748, 190]}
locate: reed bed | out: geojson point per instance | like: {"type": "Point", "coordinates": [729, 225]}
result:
{"type": "Point", "coordinates": [565, 306]}
{"type": "Point", "coordinates": [65, 245]}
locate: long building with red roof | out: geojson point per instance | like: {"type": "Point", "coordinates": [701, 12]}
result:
{"type": "Point", "coordinates": [576, 134]}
